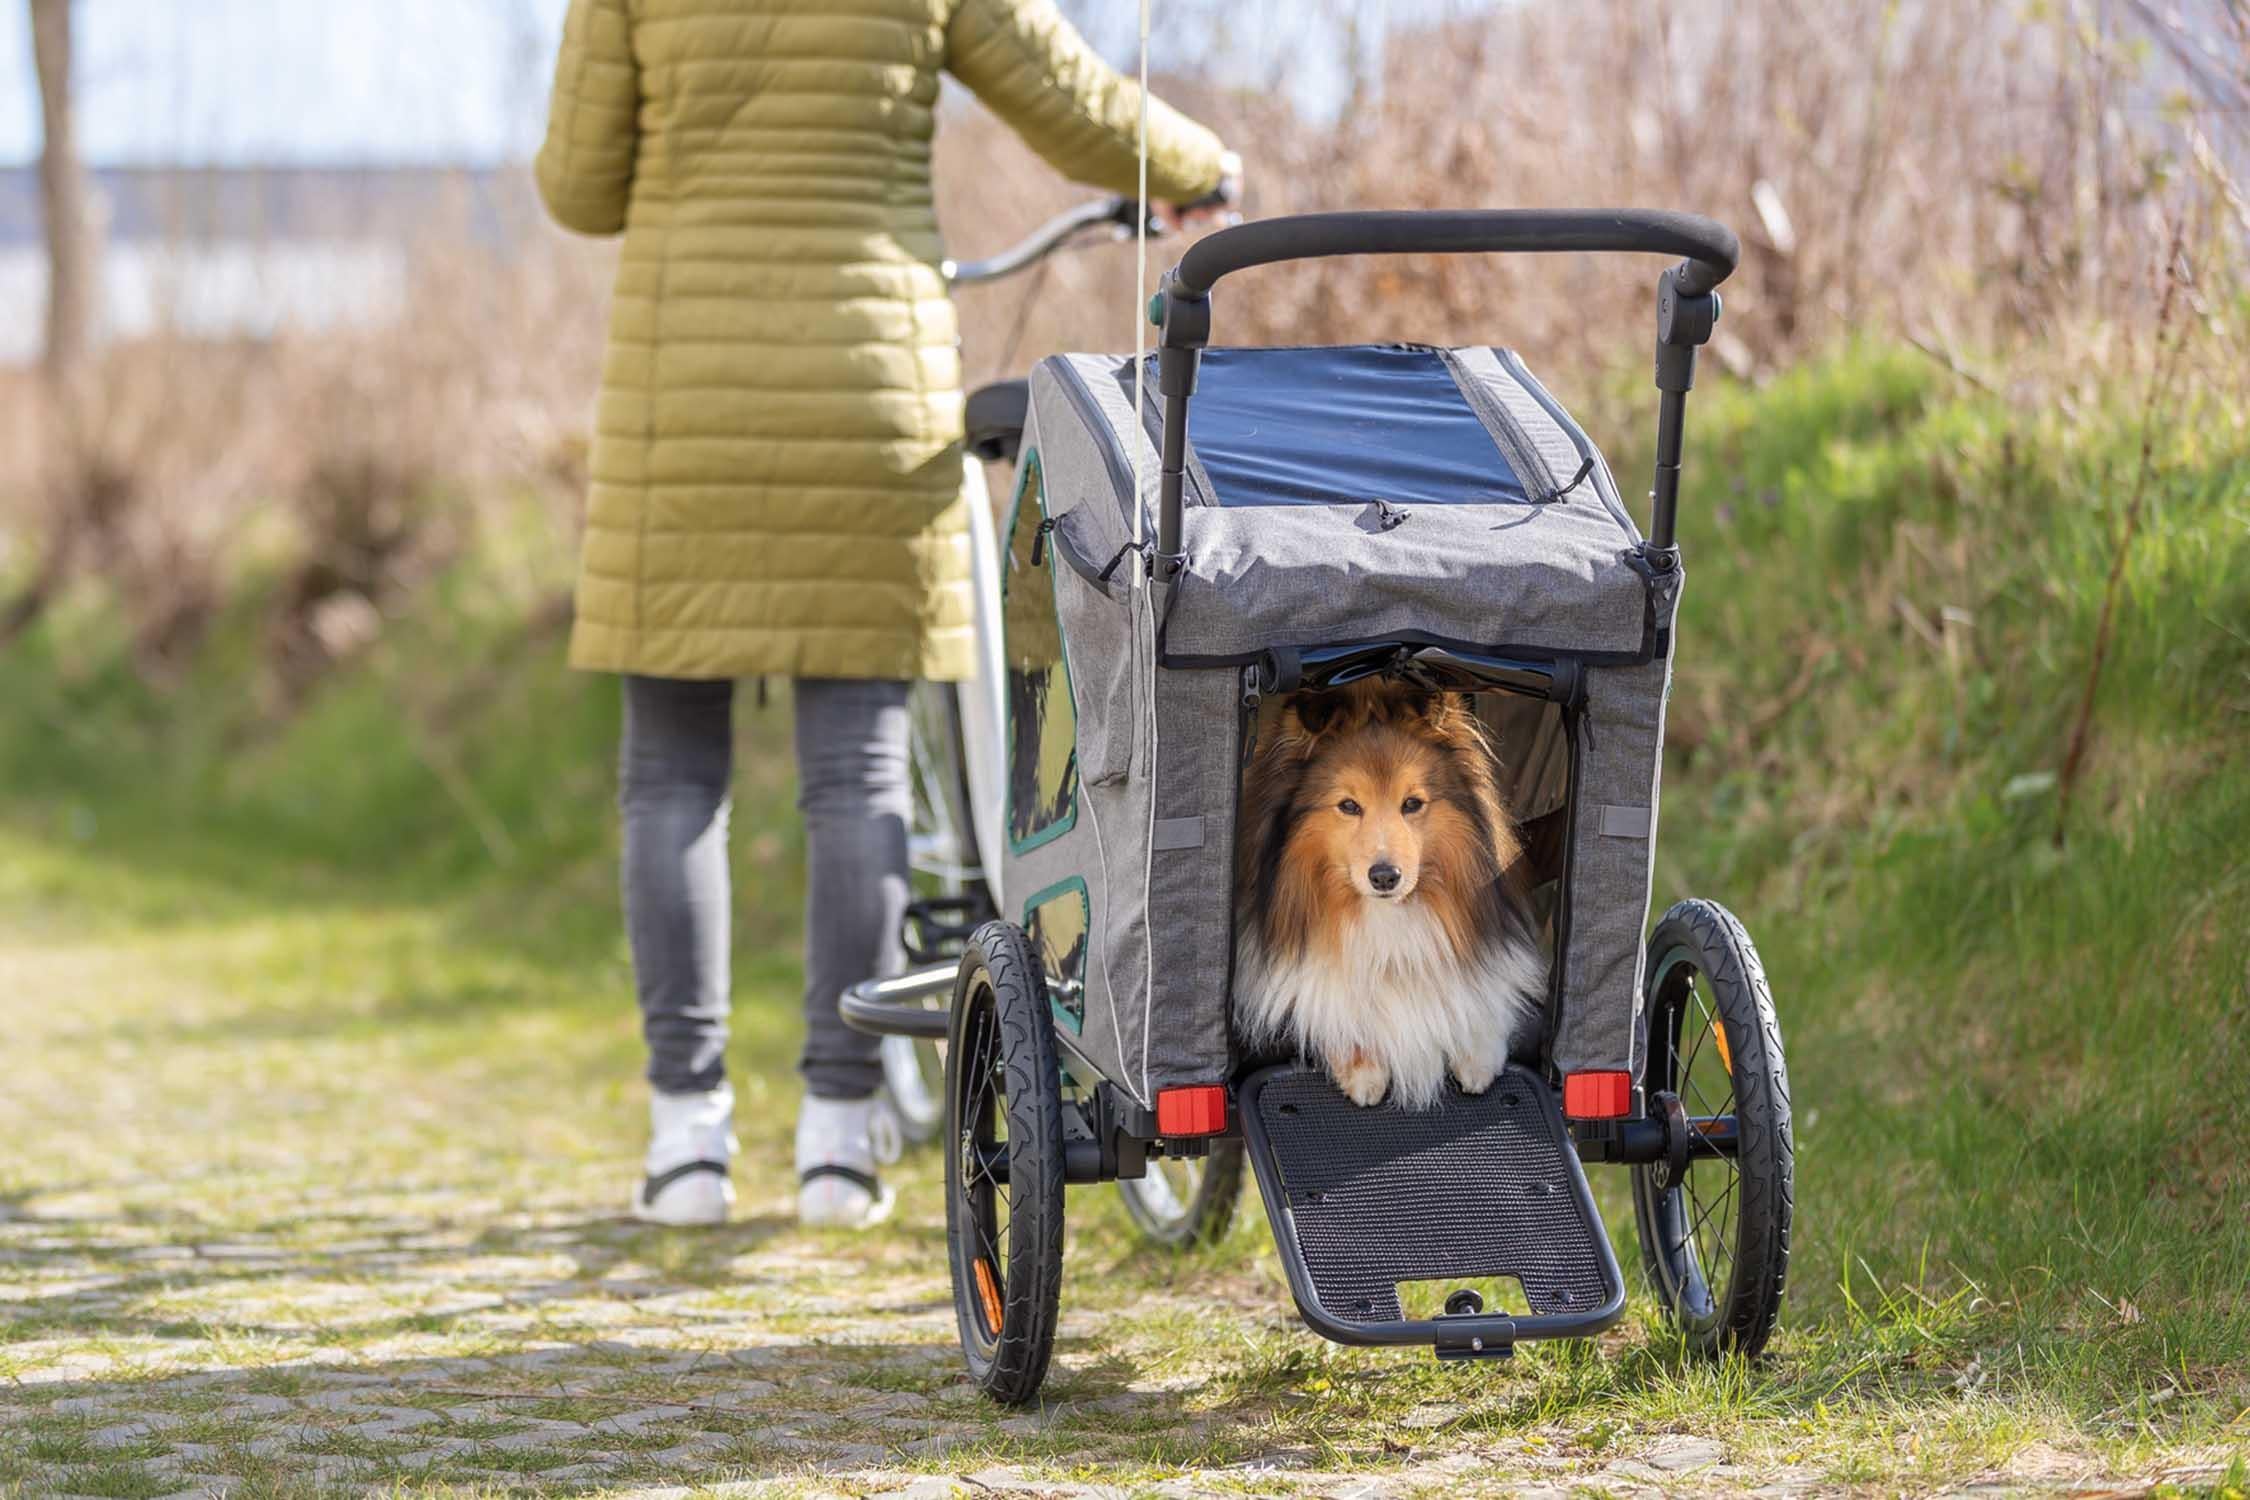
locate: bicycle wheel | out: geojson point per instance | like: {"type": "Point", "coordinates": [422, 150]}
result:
{"type": "Point", "coordinates": [942, 855]}
{"type": "Point", "coordinates": [942, 843]}
{"type": "Point", "coordinates": [1186, 1201]}
{"type": "Point", "coordinates": [1715, 1241]}
{"type": "Point", "coordinates": [1004, 1166]}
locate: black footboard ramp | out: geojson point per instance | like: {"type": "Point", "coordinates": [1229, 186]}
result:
{"type": "Point", "coordinates": [1362, 1199]}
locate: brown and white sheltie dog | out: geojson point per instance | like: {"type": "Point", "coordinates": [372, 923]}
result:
{"type": "Point", "coordinates": [1382, 921]}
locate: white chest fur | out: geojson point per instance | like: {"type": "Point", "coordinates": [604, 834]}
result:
{"type": "Point", "coordinates": [1397, 997]}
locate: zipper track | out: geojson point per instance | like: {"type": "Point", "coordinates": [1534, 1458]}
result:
{"type": "Point", "coordinates": [1514, 443]}
{"type": "Point", "coordinates": [1063, 547]}
{"type": "Point", "coordinates": [1573, 732]}
{"type": "Point", "coordinates": [1080, 396]}
{"type": "Point", "coordinates": [1245, 745]}
{"type": "Point", "coordinates": [1605, 484]}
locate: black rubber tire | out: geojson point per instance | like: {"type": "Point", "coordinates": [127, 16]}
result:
{"type": "Point", "coordinates": [1208, 1211]}
{"type": "Point", "coordinates": [1702, 967]}
{"type": "Point", "coordinates": [1000, 1066]}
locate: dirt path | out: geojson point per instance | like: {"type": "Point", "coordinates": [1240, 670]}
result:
{"type": "Point", "coordinates": [318, 1197]}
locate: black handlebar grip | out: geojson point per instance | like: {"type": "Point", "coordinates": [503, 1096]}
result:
{"type": "Point", "coordinates": [1709, 247]}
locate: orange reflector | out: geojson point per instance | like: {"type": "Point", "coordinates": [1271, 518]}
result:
{"type": "Point", "coordinates": [1197, 1109]}
{"type": "Point", "coordinates": [988, 1293]}
{"type": "Point", "coordinates": [1597, 1096]}
{"type": "Point", "coordinates": [1726, 1053]}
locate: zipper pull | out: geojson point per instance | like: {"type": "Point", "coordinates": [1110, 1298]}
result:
{"type": "Point", "coordinates": [1251, 698]}
{"type": "Point", "coordinates": [1039, 541]}
{"type": "Point", "coordinates": [1576, 480]}
{"type": "Point", "coordinates": [1147, 550]}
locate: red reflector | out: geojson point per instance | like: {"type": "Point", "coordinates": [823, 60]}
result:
{"type": "Point", "coordinates": [1597, 1096]}
{"type": "Point", "coordinates": [1199, 1109]}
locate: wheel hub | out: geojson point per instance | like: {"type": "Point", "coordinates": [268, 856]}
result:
{"type": "Point", "coordinates": [1671, 1169]}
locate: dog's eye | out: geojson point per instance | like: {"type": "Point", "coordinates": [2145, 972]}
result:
{"type": "Point", "coordinates": [1348, 808]}
{"type": "Point", "coordinates": [1412, 805]}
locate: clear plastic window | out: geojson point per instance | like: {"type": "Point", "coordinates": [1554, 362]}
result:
{"type": "Point", "coordinates": [1042, 719]}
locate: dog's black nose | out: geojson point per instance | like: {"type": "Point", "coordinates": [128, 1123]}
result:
{"type": "Point", "coordinates": [1383, 877]}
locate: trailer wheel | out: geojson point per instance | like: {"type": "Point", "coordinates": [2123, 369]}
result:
{"type": "Point", "coordinates": [1004, 1165]}
{"type": "Point", "coordinates": [1715, 1237]}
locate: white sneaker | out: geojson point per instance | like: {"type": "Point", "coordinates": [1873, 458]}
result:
{"type": "Point", "coordinates": [691, 1143]}
{"type": "Point", "coordinates": [839, 1141]}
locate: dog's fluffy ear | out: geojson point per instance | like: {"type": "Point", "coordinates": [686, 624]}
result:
{"type": "Point", "coordinates": [1447, 710]}
{"type": "Point", "coordinates": [1440, 712]}
{"type": "Point", "coordinates": [1314, 714]}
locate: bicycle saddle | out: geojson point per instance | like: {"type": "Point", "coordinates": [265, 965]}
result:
{"type": "Point", "coordinates": [995, 417]}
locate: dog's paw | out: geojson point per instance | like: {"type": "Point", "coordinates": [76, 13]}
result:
{"type": "Point", "coordinates": [1363, 1080]}
{"type": "Point", "coordinates": [1474, 1077]}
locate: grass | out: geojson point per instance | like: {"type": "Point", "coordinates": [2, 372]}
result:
{"type": "Point", "coordinates": [323, 1067]}
{"type": "Point", "coordinates": [2024, 1042]}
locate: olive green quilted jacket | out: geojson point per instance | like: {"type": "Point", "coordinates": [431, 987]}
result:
{"type": "Point", "coordinates": [776, 461]}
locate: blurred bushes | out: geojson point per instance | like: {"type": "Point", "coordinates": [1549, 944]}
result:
{"type": "Point", "coordinates": [1984, 180]}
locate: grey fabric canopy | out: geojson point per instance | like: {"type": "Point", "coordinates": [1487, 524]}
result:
{"type": "Point", "coordinates": [1389, 493]}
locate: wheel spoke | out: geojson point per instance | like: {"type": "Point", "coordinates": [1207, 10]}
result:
{"type": "Point", "coordinates": [1696, 1228]}
{"type": "Point", "coordinates": [975, 1122]}
{"type": "Point", "coordinates": [991, 1251]}
{"type": "Point", "coordinates": [1695, 1048]}
{"type": "Point", "coordinates": [1692, 1218]}
{"type": "Point", "coordinates": [983, 1063]}
{"type": "Point", "coordinates": [1686, 1188]}
{"type": "Point", "coordinates": [1687, 1070]}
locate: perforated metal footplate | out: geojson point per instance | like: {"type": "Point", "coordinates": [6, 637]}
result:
{"type": "Point", "coordinates": [1480, 1185]}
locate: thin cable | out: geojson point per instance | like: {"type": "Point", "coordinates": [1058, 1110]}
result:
{"type": "Point", "coordinates": [1141, 566]}
{"type": "Point", "coordinates": [1140, 309]}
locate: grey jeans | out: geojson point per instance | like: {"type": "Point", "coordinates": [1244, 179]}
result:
{"type": "Point", "coordinates": [674, 769]}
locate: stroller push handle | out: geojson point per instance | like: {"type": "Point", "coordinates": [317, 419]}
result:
{"type": "Point", "coordinates": [1709, 246]}
{"type": "Point", "coordinates": [1687, 307]}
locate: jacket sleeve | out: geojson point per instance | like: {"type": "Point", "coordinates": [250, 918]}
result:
{"type": "Point", "coordinates": [585, 167]}
{"type": "Point", "coordinates": [1031, 67]}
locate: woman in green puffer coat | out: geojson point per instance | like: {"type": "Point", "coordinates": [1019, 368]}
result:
{"type": "Point", "coordinates": [776, 474]}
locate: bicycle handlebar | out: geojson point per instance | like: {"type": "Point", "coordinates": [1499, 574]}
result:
{"type": "Point", "coordinates": [1120, 214]}
{"type": "Point", "coordinates": [1710, 247]}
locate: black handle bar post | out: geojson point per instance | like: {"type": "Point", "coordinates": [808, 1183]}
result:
{"type": "Point", "coordinates": [1683, 323]}
{"type": "Point", "coordinates": [1687, 306]}
{"type": "Point", "coordinates": [1185, 321]}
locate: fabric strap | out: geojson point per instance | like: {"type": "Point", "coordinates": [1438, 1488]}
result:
{"type": "Point", "coordinates": [657, 1182]}
{"type": "Point", "coordinates": [838, 1169]}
